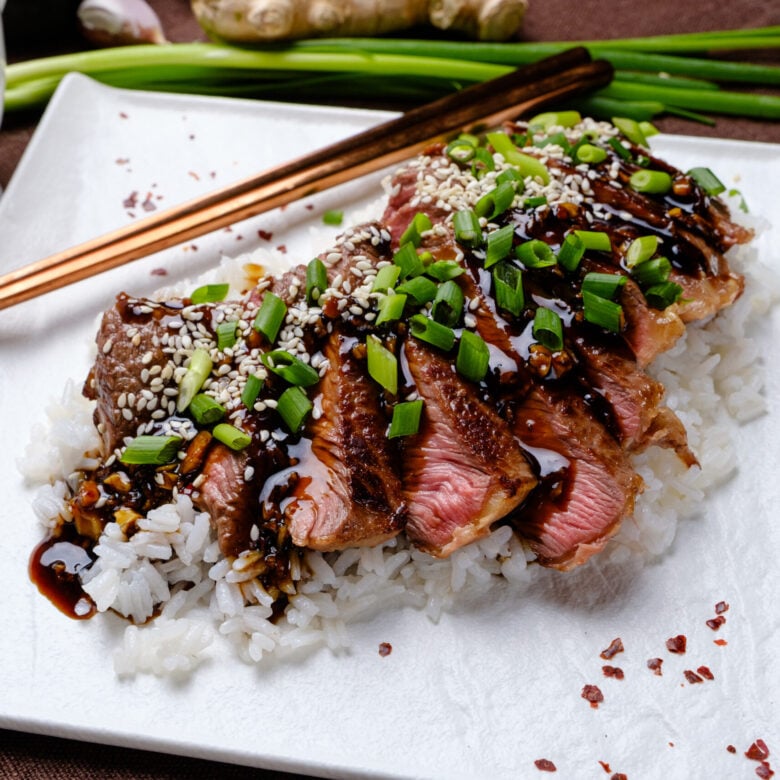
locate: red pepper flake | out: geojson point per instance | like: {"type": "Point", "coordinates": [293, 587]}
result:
{"type": "Point", "coordinates": [692, 677]}
{"type": "Point", "coordinates": [282, 248]}
{"type": "Point", "coordinates": [193, 175]}
{"type": "Point", "coordinates": [764, 770]}
{"type": "Point", "coordinates": [716, 622]}
{"type": "Point", "coordinates": [213, 174]}
{"type": "Point", "coordinates": [122, 160]}
{"type": "Point", "coordinates": [309, 206]}
{"type": "Point", "coordinates": [619, 776]}
{"type": "Point", "coordinates": [705, 672]}
{"type": "Point", "coordinates": [615, 647]}
{"type": "Point", "coordinates": [613, 671]}
{"type": "Point", "coordinates": [131, 201]}
{"type": "Point", "coordinates": [159, 272]}
{"type": "Point", "coordinates": [265, 235]}
{"type": "Point", "coordinates": [721, 607]}
{"type": "Point", "coordinates": [148, 204]}
{"type": "Point", "coordinates": [593, 694]}
{"type": "Point", "coordinates": [654, 664]}
{"type": "Point", "coordinates": [677, 644]}
{"type": "Point", "coordinates": [758, 751]}
{"type": "Point", "coordinates": [731, 748]}
{"type": "Point", "coordinates": [605, 766]}
{"type": "Point", "coordinates": [385, 648]}
{"type": "Point", "coordinates": [720, 642]}
{"type": "Point", "coordinates": [191, 136]}
{"type": "Point", "coordinates": [239, 237]}
{"type": "Point", "coordinates": [545, 765]}
{"type": "Point", "coordinates": [123, 115]}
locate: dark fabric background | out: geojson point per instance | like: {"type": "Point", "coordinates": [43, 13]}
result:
{"type": "Point", "coordinates": [30, 757]}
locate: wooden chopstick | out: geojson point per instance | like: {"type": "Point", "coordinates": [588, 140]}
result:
{"type": "Point", "coordinates": [490, 103]}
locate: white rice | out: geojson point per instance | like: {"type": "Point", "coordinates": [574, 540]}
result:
{"type": "Point", "coordinates": [173, 565]}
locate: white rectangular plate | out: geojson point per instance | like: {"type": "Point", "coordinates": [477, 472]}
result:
{"type": "Point", "coordinates": [491, 688]}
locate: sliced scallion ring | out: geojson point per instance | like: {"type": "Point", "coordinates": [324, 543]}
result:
{"type": "Point", "coordinates": [382, 364]}
{"type": "Point", "coordinates": [707, 180]}
{"type": "Point", "coordinates": [197, 373]}
{"type": "Point", "coordinates": [391, 308]}
{"type": "Point", "coordinates": [448, 304]}
{"type": "Point", "coordinates": [333, 217]}
{"type": "Point", "coordinates": [619, 149]}
{"type": "Point", "coordinates": [641, 249]}
{"type": "Point", "coordinates": [602, 312]}
{"type": "Point", "coordinates": [499, 245]}
{"type": "Point", "coordinates": [525, 163]}
{"type": "Point", "coordinates": [316, 280]}
{"type": "Point", "coordinates": [535, 202]}
{"type": "Point", "coordinates": [630, 129]}
{"type": "Point", "coordinates": [659, 296]}
{"type": "Point", "coordinates": [497, 201]}
{"type": "Point", "coordinates": [432, 332]}
{"type": "Point", "coordinates": [535, 254]}
{"type": "Point", "coordinates": [406, 419]}
{"type": "Point", "coordinates": [473, 357]}
{"type": "Point", "coordinates": [420, 288]}
{"type": "Point", "coordinates": [550, 119]}
{"type": "Point", "coordinates": [592, 155]}
{"type": "Point", "coordinates": [467, 228]}
{"type": "Point", "coordinates": [151, 450]}
{"type": "Point", "coordinates": [444, 270]}
{"type": "Point", "coordinates": [293, 406]}
{"type": "Point", "coordinates": [548, 328]}
{"type": "Point", "coordinates": [290, 368]}
{"type": "Point", "coordinates": [233, 437]}
{"type": "Point", "coordinates": [571, 252]}
{"type": "Point", "coordinates": [206, 410]}
{"type": "Point", "coordinates": [270, 316]}
{"type": "Point", "coordinates": [461, 150]}
{"type": "Point", "coordinates": [407, 259]}
{"type": "Point", "coordinates": [210, 293]}
{"type": "Point", "coordinates": [605, 285]}
{"type": "Point", "coordinates": [413, 233]}
{"type": "Point", "coordinates": [508, 285]}
{"type": "Point", "coordinates": [594, 239]}
{"type": "Point", "coordinates": [652, 271]}
{"type": "Point", "coordinates": [386, 277]}
{"type": "Point", "coordinates": [251, 390]}
{"type": "Point", "coordinates": [650, 182]}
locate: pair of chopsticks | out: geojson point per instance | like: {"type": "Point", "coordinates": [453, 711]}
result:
{"type": "Point", "coordinates": [471, 109]}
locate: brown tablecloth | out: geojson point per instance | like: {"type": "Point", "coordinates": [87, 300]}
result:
{"type": "Point", "coordinates": [29, 757]}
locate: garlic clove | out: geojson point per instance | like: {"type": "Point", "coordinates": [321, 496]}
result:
{"type": "Point", "coordinates": [119, 22]}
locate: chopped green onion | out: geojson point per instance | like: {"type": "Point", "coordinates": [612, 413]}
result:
{"type": "Point", "coordinates": [620, 150]}
{"type": "Point", "coordinates": [735, 193]}
{"type": "Point", "coordinates": [497, 201]}
{"type": "Point", "coordinates": [604, 285]}
{"type": "Point", "coordinates": [210, 293]}
{"type": "Point", "coordinates": [473, 356]}
{"type": "Point", "coordinates": [294, 407]}
{"type": "Point", "coordinates": [420, 288]}
{"type": "Point", "coordinates": [587, 153]}
{"type": "Point", "coordinates": [413, 233]}
{"type": "Point", "coordinates": [630, 129]}
{"type": "Point", "coordinates": [659, 296]}
{"type": "Point", "coordinates": [707, 180]}
{"type": "Point", "coordinates": [571, 252]}
{"type": "Point", "coordinates": [534, 202]}
{"type": "Point", "coordinates": [556, 139]}
{"type": "Point", "coordinates": [535, 254]}
{"type": "Point", "coordinates": [226, 334]}
{"type": "Point", "coordinates": [391, 308]}
{"type": "Point", "coordinates": [151, 450]}
{"type": "Point", "coordinates": [432, 332]}
{"type": "Point", "coordinates": [206, 410]}
{"type": "Point", "coordinates": [316, 280]}
{"type": "Point", "coordinates": [651, 182]}
{"type": "Point", "coordinates": [525, 163]}
{"type": "Point", "coordinates": [444, 270]}
{"type": "Point", "coordinates": [448, 304]}
{"type": "Point", "coordinates": [548, 329]}
{"type": "Point", "coordinates": [482, 163]}
{"type": "Point", "coordinates": [499, 245]}
{"type": "Point", "coordinates": [233, 437]}
{"type": "Point", "coordinates": [652, 271]}
{"type": "Point", "coordinates": [642, 160]}
{"type": "Point", "coordinates": [649, 129]}
{"type": "Point", "coordinates": [333, 217]}
{"type": "Point", "coordinates": [386, 278]}
{"type": "Point", "coordinates": [251, 390]}
{"type": "Point", "coordinates": [406, 419]}
{"type": "Point", "coordinates": [641, 249]}
{"type": "Point", "coordinates": [270, 316]}
{"type": "Point", "coordinates": [197, 373]}
{"type": "Point", "coordinates": [511, 175]}
{"type": "Point", "coordinates": [555, 119]}
{"type": "Point", "coordinates": [594, 239]}
{"type": "Point", "coordinates": [599, 311]}
{"type": "Point", "coordinates": [407, 259]}
{"type": "Point", "coordinates": [508, 282]}
{"type": "Point", "coordinates": [467, 229]}
{"type": "Point", "coordinates": [382, 364]}
{"type": "Point", "coordinates": [461, 150]}
{"type": "Point", "coordinates": [290, 368]}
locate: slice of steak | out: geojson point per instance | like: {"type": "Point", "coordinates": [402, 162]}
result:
{"type": "Point", "coordinates": [580, 505]}
{"type": "Point", "coordinates": [464, 469]}
{"type": "Point", "coordinates": [348, 490]}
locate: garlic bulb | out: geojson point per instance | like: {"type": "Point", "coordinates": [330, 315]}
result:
{"type": "Point", "coordinates": [119, 22]}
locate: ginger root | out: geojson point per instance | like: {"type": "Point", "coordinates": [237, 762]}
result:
{"type": "Point", "coordinates": [248, 21]}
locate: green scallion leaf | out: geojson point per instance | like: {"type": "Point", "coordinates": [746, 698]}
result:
{"type": "Point", "coordinates": [641, 249]}
{"type": "Point", "coordinates": [508, 284]}
{"type": "Point", "coordinates": [548, 329]}
{"type": "Point", "coordinates": [391, 308]}
{"type": "Point", "coordinates": [592, 155]}
{"type": "Point", "coordinates": [604, 285]}
{"type": "Point", "coordinates": [659, 296]}
{"type": "Point", "coordinates": [290, 368]}
{"type": "Point", "coordinates": [497, 201]}
{"type": "Point", "coordinates": [407, 259]}
{"type": "Point", "coordinates": [316, 280]}
{"type": "Point", "coordinates": [525, 163]}
{"type": "Point", "coordinates": [620, 150]}
{"type": "Point", "coordinates": [482, 163]}
{"type": "Point", "coordinates": [206, 410]}
{"type": "Point", "coordinates": [707, 180]}
{"type": "Point", "coordinates": [333, 217]}
{"type": "Point", "coordinates": [448, 304]}
{"type": "Point", "coordinates": [270, 316]}
{"type": "Point", "coordinates": [151, 450]}
{"type": "Point", "coordinates": [649, 129]}
{"type": "Point", "coordinates": [197, 373]}
{"type": "Point", "coordinates": [652, 271]}
{"type": "Point", "coordinates": [293, 406]}
{"type": "Point", "coordinates": [251, 390]}
{"type": "Point", "coordinates": [630, 129]}
{"type": "Point", "coordinates": [535, 254]}
{"type": "Point", "coordinates": [420, 288]}
{"type": "Point", "coordinates": [554, 119]}
{"type": "Point", "coordinates": [432, 332]}
{"type": "Point", "coordinates": [599, 311]}
{"type": "Point", "coordinates": [651, 182]}
{"type": "Point", "coordinates": [386, 278]}
{"type": "Point", "coordinates": [226, 335]}
{"type": "Point", "coordinates": [571, 252]}
{"type": "Point", "coordinates": [556, 139]}
{"type": "Point", "coordinates": [499, 245]}
{"type": "Point", "coordinates": [512, 176]}
{"type": "Point", "coordinates": [535, 202]}
{"type": "Point", "coordinates": [406, 419]}
{"type": "Point", "coordinates": [473, 357]}
{"type": "Point", "coordinates": [210, 293]}
{"type": "Point", "coordinates": [594, 239]}
{"type": "Point", "coordinates": [461, 150]}
{"type": "Point", "coordinates": [382, 364]}
{"type": "Point", "coordinates": [467, 229]}
{"type": "Point", "coordinates": [233, 437]}
{"type": "Point", "coordinates": [413, 233]}
{"type": "Point", "coordinates": [735, 193]}
{"type": "Point", "coordinates": [444, 270]}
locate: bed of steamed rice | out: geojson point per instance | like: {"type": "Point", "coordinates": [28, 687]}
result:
{"type": "Point", "coordinates": [172, 564]}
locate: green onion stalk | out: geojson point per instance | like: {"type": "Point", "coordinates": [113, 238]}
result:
{"type": "Point", "coordinates": [654, 75]}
